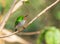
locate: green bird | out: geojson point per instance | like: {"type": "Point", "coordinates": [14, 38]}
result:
{"type": "Point", "coordinates": [1, 9]}
{"type": "Point", "coordinates": [20, 21]}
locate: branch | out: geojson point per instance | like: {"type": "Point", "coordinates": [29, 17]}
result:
{"type": "Point", "coordinates": [43, 11]}
{"type": "Point", "coordinates": [12, 10]}
{"type": "Point", "coordinates": [5, 18]}
{"type": "Point", "coordinates": [18, 5]}
{"type": "Point", "coordinates": [13, 38]}
{"type": "Point", "coordinates": [29, 33]}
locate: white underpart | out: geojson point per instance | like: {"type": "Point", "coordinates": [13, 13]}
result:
{"type": "Point", "coordinates": [21, 23]}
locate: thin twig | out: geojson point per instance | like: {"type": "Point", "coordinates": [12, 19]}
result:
{"type": "Point", "coordinates": [5, 18]}
{"type": "Point", "coordinates": [12, 10]}
{"type": "Point", "coordinates": [21, 33]}
{"type": "Point", "coordinates": [43, 11]}
{"type": "Point", "coordinates": [29, 33]}
{"type": "Point", "coordinates": [14, 38]}
{"type": "Point", "coordinates": [18, 5]}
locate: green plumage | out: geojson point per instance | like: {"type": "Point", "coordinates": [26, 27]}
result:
{"type": "Point", "coordinates": [19, 19]}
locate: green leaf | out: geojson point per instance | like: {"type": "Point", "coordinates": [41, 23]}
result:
{"type": "Point", "coordinates": [41, 37]}
{"type": "Point", "coordinates": [52, 36]}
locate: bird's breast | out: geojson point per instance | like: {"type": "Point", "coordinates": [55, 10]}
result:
{"type": "Point", "coordinates": [20, 23]}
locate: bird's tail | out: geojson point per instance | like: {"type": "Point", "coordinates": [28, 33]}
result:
{"type": "Point", "coordinates": [15, 29]}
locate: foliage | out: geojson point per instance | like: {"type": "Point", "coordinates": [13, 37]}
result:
{"type": "Point", "coordinates": [50, 35]}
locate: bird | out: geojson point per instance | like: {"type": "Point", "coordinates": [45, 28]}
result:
{"type": "Point", "coordinates": [20, 21]}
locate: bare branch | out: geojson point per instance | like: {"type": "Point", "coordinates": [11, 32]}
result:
{"type": "Point", "coordinates": [12, 10]}
{"type": "Point", "coordinates": [21, 33]}
{"type": "Point", "coordinates": [29, 33]}
{"type": "Point", "coordinates": [14, 38]}
{"type": "Point", "coordinates": [5, 18]}
{"type": "Point", "coordinates": [43, 11]}
{"type": "Point", "coordinates": [18, 5]}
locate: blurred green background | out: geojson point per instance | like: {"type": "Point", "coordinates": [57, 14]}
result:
{"type": "Point", "coordinates": [32, 8]}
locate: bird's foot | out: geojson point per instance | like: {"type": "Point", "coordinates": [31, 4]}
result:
{"type": "Point", "coordinates": [23, 27]}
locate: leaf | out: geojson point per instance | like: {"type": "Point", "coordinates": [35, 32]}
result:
{"type": "Point", "coordinates": [41, 37]}
{"type": "Point", "coordinates": [52, 36]}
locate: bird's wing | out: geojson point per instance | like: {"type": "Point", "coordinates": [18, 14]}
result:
{"type": "Point", "coordinates": [16, 23]}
